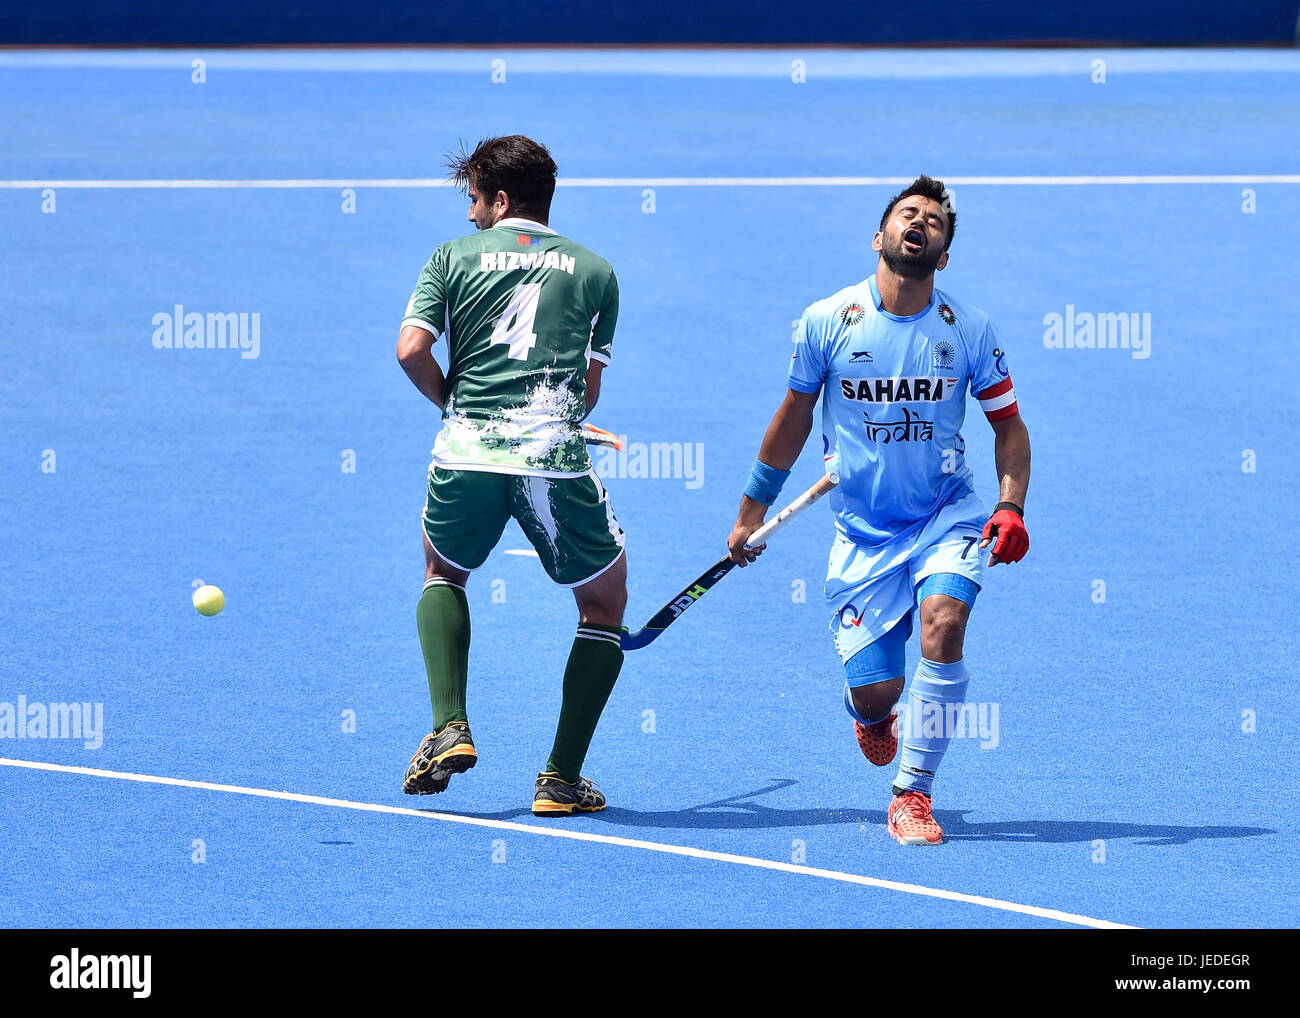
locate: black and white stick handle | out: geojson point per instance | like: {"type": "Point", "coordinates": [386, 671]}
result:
{"type": "Point", "coordinates": [759, 537]}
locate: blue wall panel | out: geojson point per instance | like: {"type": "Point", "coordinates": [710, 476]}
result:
{"type": "Point", "coordinates": [842, 22]}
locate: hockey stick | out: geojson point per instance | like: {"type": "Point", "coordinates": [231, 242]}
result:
{"type": "Point", "coordinates": [675, 608]}
{"type": "Point", "coordinates": [593, 435]}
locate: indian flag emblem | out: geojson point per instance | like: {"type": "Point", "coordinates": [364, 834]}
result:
{"type": "Point", "coordinates": [945, 312]}
{"type": "Point", "coordinates": [851, 314]}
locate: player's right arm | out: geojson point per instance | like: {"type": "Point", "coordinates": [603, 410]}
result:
{"type": "Point", "coordinates": [415, 354]}
{"type": "Point", "coordinates": [420, 326]}
{"type": "Point", "coordinates": [786, 434]}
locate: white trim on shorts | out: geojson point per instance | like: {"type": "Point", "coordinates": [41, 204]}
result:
{"type": "Point", "coordinates": [454, 565]}
{"type": "Point", "coordinates": [596, 575]}
{"type": "Point", "coordinates": [615, 531]}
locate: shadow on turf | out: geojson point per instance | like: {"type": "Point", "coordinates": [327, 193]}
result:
{"type": "Point", "coordinates": [955, 828]}
{"type": "Point", "coordinates": [737, 812]}
{"type": "Point", "coordinates": [731, 812]}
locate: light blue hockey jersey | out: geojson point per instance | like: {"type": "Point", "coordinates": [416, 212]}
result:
{"type": "Point", "coordinates": [894, 401]}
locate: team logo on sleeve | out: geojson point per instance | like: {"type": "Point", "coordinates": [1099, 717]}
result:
{"type": "Point", "coordinates": [943, 354]}
{"type": "Point", "coordinates": [1000, 362]}
{"type": "Point", "coordinates": [851, 314]}
{"type": "Point", "coordinates": [946, 313]}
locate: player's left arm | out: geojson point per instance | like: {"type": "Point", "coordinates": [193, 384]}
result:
{"type": "Point", "coordinates": [991, 384]}
{"type": "Point", "coordinates": [600, 348]}
{"type": "Point", "coordinates": [594, 371]}
{"type": "Point", "coordinates": [1007, 524]}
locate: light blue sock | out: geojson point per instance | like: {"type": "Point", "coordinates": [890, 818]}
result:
{"type": "Point", "coordinates": [928, 727]}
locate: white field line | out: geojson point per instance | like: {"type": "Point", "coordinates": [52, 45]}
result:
{"type": "Point", "coordinates": [578, 835]}
{"type": "Point", "coordinates": [429, 182]}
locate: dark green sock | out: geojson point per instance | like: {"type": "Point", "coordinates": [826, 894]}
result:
{"type": "Point", "coordinates": [589, 677]}
{"type": "Point", "coordinates": [442, 616]}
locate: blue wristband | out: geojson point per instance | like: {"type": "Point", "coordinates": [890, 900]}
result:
{"type": "Point", "coordinates": [765, 482]}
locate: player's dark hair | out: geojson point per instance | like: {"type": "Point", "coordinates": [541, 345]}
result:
{"type": "Point", "coordinates": [926, 187]}
{"type": "Point", "coordinates": [517, 165]}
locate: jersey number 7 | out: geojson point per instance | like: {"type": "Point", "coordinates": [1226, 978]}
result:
{"type": "Point", "coordinates": [515, 326]}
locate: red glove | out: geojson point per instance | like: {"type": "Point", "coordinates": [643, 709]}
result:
{"type": "Point", "coordinates": [1007, 527]}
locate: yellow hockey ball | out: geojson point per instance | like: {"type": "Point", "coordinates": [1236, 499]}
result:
{"type": "Point", "coordinates": [208, 600]}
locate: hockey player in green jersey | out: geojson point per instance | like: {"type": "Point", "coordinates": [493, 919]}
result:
{"type": "Point", "coordinates": [528, 317]}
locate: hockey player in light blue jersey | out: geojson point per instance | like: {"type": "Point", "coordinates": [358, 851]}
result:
{"type": "Point", "coordinates": [892, 359]}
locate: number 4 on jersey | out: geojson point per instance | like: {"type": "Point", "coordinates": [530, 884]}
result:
{"type": "Point", "coordinates": [515, 326]}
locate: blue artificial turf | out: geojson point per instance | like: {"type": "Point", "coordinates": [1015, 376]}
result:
{"type": "Point", "coordinates": [1119, 722]}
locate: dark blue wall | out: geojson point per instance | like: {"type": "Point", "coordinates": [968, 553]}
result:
{"type": "Point", "coordinates": [844, 22]}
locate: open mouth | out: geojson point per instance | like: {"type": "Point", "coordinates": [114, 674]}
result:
{"type": "Point", "coordinates": [914, 238]}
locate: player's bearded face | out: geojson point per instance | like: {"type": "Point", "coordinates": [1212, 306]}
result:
{"type": "Point", "coordinates": [481, 214]}
{"type": "Point", "coordinates": [912, 242]}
